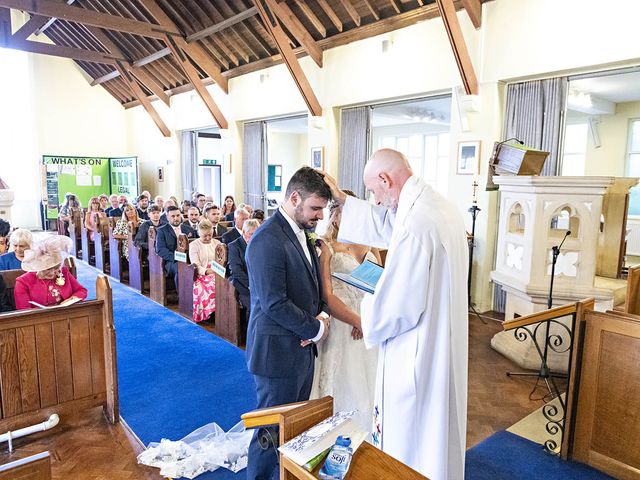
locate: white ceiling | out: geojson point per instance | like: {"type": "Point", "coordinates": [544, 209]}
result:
{"type": "Point", "coordinates": [620, 88]}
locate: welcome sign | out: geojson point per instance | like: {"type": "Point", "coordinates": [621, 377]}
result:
{"type": "Point", "coordinates": [124, 176]}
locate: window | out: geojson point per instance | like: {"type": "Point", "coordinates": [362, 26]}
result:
{"type": "Point", "coordinates": [633, 164]}
{"type": "Point", "coordinates": [575, 148]}
{"type": "Point", "coordinates": [424, 152]}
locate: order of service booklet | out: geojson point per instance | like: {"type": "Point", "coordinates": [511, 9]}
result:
{"type": "Point", "coordinates": [365, 276]}
{"type": "Point", "coordinates": [319, 438]}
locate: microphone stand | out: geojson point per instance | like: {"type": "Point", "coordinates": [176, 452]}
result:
{"type": "Point", "coordinates": [545, 372]}
{"type": "Point", "coordinates": [473, 210]}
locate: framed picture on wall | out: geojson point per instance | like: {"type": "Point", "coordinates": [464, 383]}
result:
{"type": "Point", "coordinates": [161, 174]}
{"type": "Point", "coordinates": [468, 158]}
{"type": "Point", "coordinates": [317, 158]}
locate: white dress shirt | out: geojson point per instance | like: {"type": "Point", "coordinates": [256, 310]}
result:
{"type": "Point", "coordinates": [302, 238]}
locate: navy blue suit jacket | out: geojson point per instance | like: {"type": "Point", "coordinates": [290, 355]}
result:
{"type": "Point", "coordinates": [238, 269]}
{"type": "Point", "coordinates": [167, 242]}
{"type": "Point", "coordinates": [230, 235]}
{"type": "Point", "coordinates": [285, 299]}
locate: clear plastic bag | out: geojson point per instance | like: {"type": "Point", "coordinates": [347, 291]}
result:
{"type": "Point", "coordinates": [203, 450]}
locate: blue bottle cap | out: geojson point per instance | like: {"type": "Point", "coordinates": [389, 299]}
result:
{"type": "Point", "coordinates": [343, 441]}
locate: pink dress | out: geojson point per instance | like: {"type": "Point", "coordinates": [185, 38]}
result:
{"type": "Point", "coordinates": [202, 256]}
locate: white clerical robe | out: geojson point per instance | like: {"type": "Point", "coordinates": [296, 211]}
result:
{"type": "Point", "coordinates": [418, 317]}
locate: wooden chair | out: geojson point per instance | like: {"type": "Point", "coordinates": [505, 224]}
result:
{"type": "Point", "coordinates": [101, 245]}
{"type": "Point", "coordinates": [230, 319]}
{"type": "Point", "coordinates": [187, 274]}
{"type": "Point", "coordinates": [59, 360]}
{"type": "Point", "coordinates": [157, 279]}
{"type": "Point", "coordinates": [368, 462]}
{"type": "Point", "coordinates": [35, 467]}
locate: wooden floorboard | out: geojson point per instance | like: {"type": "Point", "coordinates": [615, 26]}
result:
{"type": "Point", "coordinates": [88, 448]}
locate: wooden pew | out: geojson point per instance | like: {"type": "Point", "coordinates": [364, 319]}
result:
{"type": "Point", "coordinates": [35, 467]}
{"type": "Point", "coordinates": [157, 279]}
{"type": "Point", "coordinates": [137, 265]}
{"type": "Point", "coordinates": [632, 302]}
{"type": "Point", "coordinates": [187, 274]}
{"type": "Point", "coordinates": [230, 319]}
{"type": "Point", "coordinates": [75, 229]}
{"type": "Point", "coordinates": [101, 241]}
{"type": "Point", "coordinates": [118, 265]}
{"type": "Point", "coordinates": [88, 246]}
{"type": "Point", "coordinates": [58, 360]}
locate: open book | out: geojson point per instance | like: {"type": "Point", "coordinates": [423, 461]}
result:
{"type": "Point", "coordinates": [64, 303]}
{"type": "Point", "coordinates": [320, 438]}
{"type": "Point", "coordinates": [365, 276]}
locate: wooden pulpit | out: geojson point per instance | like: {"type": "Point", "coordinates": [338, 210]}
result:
{"type": "Point", "coordinates": [368, 462]}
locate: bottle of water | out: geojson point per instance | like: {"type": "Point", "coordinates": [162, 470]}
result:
{"type": "Point", "coordinates": [337, 463]}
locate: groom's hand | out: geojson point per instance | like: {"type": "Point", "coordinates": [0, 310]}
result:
{"type": "Point", "coordinates": [337, 195]}
{"type": "Point", "coordinates": [326, 321]}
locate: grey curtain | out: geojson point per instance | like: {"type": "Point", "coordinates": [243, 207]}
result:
{"type": "Point", "coordinates": [188, 163]}
{"type": "Point", "coordinates": [354, 148]}
{"type": "Point", "coordinates": [254, 165]}
{"type": "Point", "coordinates": [534, 115]}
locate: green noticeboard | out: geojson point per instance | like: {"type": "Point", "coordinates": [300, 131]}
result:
{"type": "Point", "coordinates": [87, 177]}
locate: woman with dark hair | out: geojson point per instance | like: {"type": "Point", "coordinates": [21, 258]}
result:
{"type": "Point", "coordinates": [228, 208]}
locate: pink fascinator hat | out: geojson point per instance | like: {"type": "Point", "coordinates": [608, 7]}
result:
{"type": "Point", "coordinates": [46, 254]}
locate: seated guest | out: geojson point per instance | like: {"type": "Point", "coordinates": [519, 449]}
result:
{"type": "Point", "coordinates": [237, 266]}
{"type": "Point", "coordinates": [228, 208]}
{"type": "Point", "coordinates": [202, 253]}
{"type": "Point", "coordinates": [159, 201]}
{"type": "Point", "coordinates": [19, 241]}
{"type": "Point", "coordinates": [212, 213]}
{"type": "Point", "coordinates": [249, 209]}
{"type": "Point", "coordinates": [167, 240]}
{"type": "Point", "coordinates": [5, 228]}
{"type": "Point", "coordinates": [258, 215]}
{"type": "Point", "coordinates": [240, 216]}
{"type": "Point", "coordinates": [184, 208]}
{"type": "Point", "coordinates": [193, 219]}
{"type": "Point", "coordinates": [200, 201]}
{"type": "Point", "coordinates": [114, 210]}
{"type": "Point", "coordinates": [46, 282]}
{"type": "Point", "coordinates": [143, 207]}
{"type": "Point", "coordinates": [128, 222]}
{"type": "Point", "coordinates": [93, 216]}
{"type": "Point", "coordinates": [104, 202]}
{"type": "Point", "coordinates": [141, 239]}
{"type": "Point", "coordinates": [167, 204]}
{"type": "Point", "coordinates": [66, 210]}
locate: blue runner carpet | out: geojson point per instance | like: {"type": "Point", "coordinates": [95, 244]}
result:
{"type": "Point", "coordinates": [506, 456]}
{"type": "Point", "coordinates": [173, 376]}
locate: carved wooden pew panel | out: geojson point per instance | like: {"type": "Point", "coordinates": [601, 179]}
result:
{"type": "Point", "coordinates": [138, 271]}
{"type": "Point", "coordinates": [101, 241]}
{"type": "Point", "coordinates": [58, 360]}
{"type": "Point", "coordinates": [187, 274]}
{"type": "Point", "coordinates": [119, 266]}
{"type": "Point", "coordinates": [230, 322]}
{"type": "Point", "coordinates": [157, 280]}
{"type": "Point", "coordinates": [75, 232]}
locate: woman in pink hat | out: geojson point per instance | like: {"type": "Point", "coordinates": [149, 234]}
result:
{"type": "Point", "coordinates": [46, 282]}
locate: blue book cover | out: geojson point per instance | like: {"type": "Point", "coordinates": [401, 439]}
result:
{"type": "Point", "coordinates": [365, 276]}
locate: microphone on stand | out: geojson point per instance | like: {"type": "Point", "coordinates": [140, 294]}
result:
{"type": "Point", "coordinates": [555, 250]}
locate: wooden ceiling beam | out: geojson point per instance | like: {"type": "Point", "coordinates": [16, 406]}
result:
{"type": "Point", "coordinates": [35, 25]}
{"type": "Point", "coordinates": [51, 8]}
{"type": "Point", "coordinates": [326, 8]}
{"type": "Point", "coordinates": [59, 51]}
{"type": "Point", "coordinates": [297, 29]}
{"type": "Point", "coordinates": [353, 13]}
{"type": "Point", "coordinates": [312, 17]}
{"type": "Point", "coordinates": [142, 98]}
{"type": "Point", "coordinates": [149, 82]}
{"type": "Point", "coordinates": [272, 25]}
{"type": "Point", "coordinates": [229, 35]}
{"type": "Point", "coordinates": [372, 9]}
{"type": "Point", "coordinates": [396, 5]}
{"type": "Point", "coordinates": [458, 45]}
{"type": "Point", "coordinates": [223, 24]}
{"type": "Point", "coordinates": [192, 74]}
{"type": "Point", "coordinates": [474, 10]}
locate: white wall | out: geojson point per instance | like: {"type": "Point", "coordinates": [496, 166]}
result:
{"type": "Point", "coordinates": [288, 150]}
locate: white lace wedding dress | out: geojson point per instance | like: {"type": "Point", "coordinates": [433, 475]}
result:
{"type": "Point", "coordinates": [345, 369]}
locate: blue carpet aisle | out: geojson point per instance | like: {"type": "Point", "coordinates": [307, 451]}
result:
{"type": "Point", "coordinates": [505, 456]}
{"type": "Point", "coordinates": [173, 376]}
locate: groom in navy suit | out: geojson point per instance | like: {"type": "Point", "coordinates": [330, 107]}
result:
{"type": "Point", "coordinates": [287, 310]}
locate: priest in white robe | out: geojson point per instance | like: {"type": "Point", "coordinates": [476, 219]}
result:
{"type": "Point", "coordinates": [417, 315]}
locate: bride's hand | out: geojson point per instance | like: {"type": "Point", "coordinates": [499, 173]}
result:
{"type": "Point", "coordinates": [356, 333]}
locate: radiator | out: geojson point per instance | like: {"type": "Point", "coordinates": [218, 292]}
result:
{"type": "Point", "coordinates": [633, 235]}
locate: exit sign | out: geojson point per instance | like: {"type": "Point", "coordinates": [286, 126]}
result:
{"type": "Point", "coordinates": [209, 162]}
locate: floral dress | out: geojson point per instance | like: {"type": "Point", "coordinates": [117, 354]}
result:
{"type": "Point", "coordinates": [204, 287]}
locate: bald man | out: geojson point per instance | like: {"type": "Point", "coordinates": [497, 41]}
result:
{"type": "Point", "coordinates": [417, 315]}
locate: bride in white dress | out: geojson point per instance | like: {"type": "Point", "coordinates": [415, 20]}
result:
{"type": "Point", "coordinates": [345, 369]}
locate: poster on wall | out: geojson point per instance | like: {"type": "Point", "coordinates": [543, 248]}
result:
{"type": "Point", "coordinates": [124, 176]}
{"type": "Point", "coordinates": [86, 177]}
